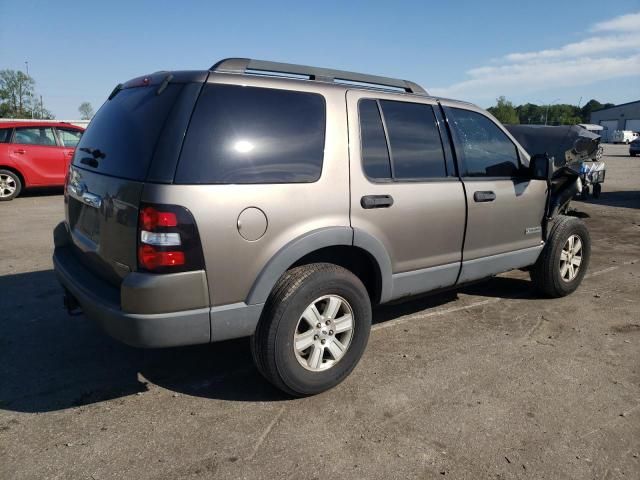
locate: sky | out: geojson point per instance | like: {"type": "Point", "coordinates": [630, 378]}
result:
{"type": "Point", "coordinates": [541, 52]}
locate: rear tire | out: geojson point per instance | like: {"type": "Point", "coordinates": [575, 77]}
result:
{"type": "Point", "coordinates": [312, 291]}
{"type": "Point", "coordinates": [10, 185]}
{"type": "Point", "coordinates": [564, 259]}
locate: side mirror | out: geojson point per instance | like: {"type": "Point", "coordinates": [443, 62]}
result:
{"type": "Point", "coordinates": [541, 167]}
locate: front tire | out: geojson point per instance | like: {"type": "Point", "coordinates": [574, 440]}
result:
{"type": "Point", "coordinates": [10, 185]}
{"type": "Point", "coordinates": [314, 329]}
{"type": "Point", "coordinates": [564, 259]}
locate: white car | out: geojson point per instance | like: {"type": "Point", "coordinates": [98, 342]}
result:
{"type": "Point", "coordinates": [624, 136]}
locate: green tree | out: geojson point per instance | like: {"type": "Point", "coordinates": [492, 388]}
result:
{"type": "Point", "coordinates": [86, 111]}
{"type": "Point", "coordinates": [16, 93]}
{"type": "Point", "coordinates": [504, 111]}
{"type": "Point", "coordinates": [18, 98]}
{"type": "Point", "coordinates": [530, 113]}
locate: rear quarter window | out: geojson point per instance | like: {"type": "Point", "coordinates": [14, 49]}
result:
{"type": "Point", "coordinates": [254, 135]}
{"type": "Point", "coordinates": [5, 135]}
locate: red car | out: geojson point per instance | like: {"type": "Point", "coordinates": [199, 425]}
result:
{"type": "Point", "coordinates": [35, 154]}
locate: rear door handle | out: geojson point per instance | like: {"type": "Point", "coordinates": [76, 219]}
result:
{"type": "Point", "coordinates": [376, 201]}
{"type": "Point", "coordinates": [484, 196]}
{"type": "Point", "coordinates": [21, 151]}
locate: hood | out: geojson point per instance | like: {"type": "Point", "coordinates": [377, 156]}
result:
{"type": "Point", "coordinates": [566, 144]}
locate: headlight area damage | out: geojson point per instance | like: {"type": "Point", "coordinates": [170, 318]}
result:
{"type": "Point", "coordinates": [574, 151]}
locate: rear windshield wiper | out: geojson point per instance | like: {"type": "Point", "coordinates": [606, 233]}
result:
{"type": "Point", "coordinates": [95, 155]}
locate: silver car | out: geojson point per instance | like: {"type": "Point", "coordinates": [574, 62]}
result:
{"type": "Point", "coordinates": [281, 202]}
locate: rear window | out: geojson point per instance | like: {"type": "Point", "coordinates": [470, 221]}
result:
{"type": "Point", "coordinates": [254, 135]}
{"type": "Point", "coordinates": [69, 137]}
{"type": "Point", "coordinates": [121, 137]}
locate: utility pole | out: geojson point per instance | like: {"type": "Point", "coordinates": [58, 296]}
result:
{"type": "Point", "coordinates": [27, 65]}
{"type": "Point", "coordinates": [41, 108]}
{"type": "Point", "coordinates": [547, 112]}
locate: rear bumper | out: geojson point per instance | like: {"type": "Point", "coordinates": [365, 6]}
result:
{"type": "Point", "coordinates": [150, 310]}
{"type": "Point", "coordinates": [99, 301]}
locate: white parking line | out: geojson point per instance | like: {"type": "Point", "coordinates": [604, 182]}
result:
{"type": "Point", "coordinates": [435, 313]}
{"type": "Point", "coordinates": [401, 320]}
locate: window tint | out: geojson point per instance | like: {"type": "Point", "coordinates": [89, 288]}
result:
{"type": "Point", "coordinates": [69, 137]}
{"type": "Point", "coordinates": [483, 148]}
{"type": "Point", "coordinates": [375, 156]}
{"type": "Point", "coordinates": [35, 136]}
{"type": "Point", "coordinates": [122, 136]}
{"type": "Point", "coordinates": [254, 135]}
{"type": "Point", "coordinates": [5, 135]}
{"type": "Point", "coordinates": [416, 149]}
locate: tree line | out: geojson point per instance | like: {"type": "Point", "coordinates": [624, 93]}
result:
{"type": "Point", "coordinates": [557, 114]}
{"type": "Point", "coordinates": [18, 98]}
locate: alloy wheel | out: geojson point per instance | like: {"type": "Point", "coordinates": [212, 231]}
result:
{"type": "Point", "coordinates": [323, 333]}
{"type": "Point", "coordinates": [7, 185]}
{"type": "Point", "coordinates": [571, 258]}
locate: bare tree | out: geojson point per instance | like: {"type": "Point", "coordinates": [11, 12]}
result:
{"type": "Point", "coordinates": [86, 111]}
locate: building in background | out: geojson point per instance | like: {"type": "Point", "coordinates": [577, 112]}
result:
{"type": "Point", "coordinates": [621, 117]}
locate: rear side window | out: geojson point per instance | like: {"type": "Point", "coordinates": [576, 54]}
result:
{"type": "Point", "coordinates": [35, 136]}
{"type": "Point", "coordinates": [484, 149]}
{"type": "Point", "coordinates": [69, 137]}
{"type": "Point", "coordinates": [375, 156]}
{"type": "Point", "coordinates": [5, 135]}
{"type": "Point", "coordinates": [414, 150]}
{"type": "Point", "coordinates": [121, 137]}
{"type": "Point", "coordinates": [254, 135]}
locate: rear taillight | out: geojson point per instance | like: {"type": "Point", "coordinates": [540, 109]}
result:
{"type": "Point", "coordinates": [168, 240]}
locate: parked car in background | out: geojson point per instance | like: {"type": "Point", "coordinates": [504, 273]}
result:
{"type": "Point", "coordinates": [35, 154]}
{"type": "Point", "coordinates": [634, 147]}
{"type": "Point", "coordinates": [624, 136]}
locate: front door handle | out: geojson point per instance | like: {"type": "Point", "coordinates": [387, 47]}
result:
{"type": "Point", "coordinates": [21, 151]}
{"type": "Point", "coordinates": [376, 201]}
{"type": "Point", "coordinates": [484, 196]}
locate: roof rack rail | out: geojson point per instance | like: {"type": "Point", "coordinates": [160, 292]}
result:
{"type": "Point", "coordinates": [248, 65]}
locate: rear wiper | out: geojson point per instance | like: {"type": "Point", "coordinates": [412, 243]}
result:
{"type": "Point", "coordinates": [95, 153]}
{"type": "Point", "coordinates": [92, 162]}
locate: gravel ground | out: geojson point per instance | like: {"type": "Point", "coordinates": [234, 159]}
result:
{"type": "Point", "coordinates": [486, 382]}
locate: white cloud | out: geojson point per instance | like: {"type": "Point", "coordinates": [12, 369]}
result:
{"type": "Point", "coordinates": [623, 23]}
{"type": "Point", "coordinates": [489, 82]}
{"type": "Point", "coordinates": [596, 58]}
{"type": "Point", "coordinates": [588, 46]}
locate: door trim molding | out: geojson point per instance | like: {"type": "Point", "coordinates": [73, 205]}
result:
{"type": "Point", "coordinates": [424, 280]}
{"type": "Point", "coordinates": [503, 262]}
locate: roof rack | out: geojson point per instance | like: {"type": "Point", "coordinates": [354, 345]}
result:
{"type": "Point", "coordinates": [247, 65]}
